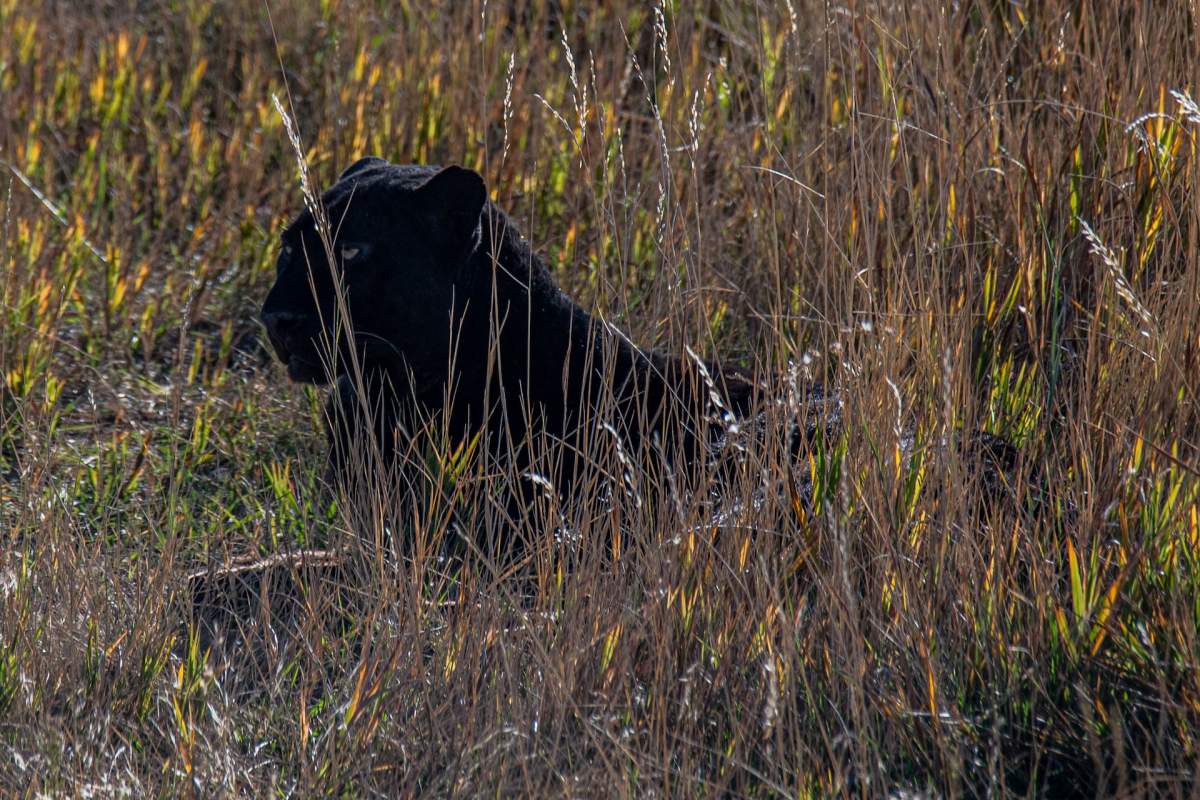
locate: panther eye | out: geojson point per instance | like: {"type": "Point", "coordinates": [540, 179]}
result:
{"type": "Point", "coordinates": [350, 252]}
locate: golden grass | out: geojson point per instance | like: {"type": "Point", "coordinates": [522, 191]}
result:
{"type": "Point", "coordinates": [968, 215]}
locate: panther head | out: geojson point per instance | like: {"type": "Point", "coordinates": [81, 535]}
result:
{"type": "Point", "coordinates": [401, 238]}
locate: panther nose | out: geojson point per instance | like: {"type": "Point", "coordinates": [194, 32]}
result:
{"type": "Point", "coordinates": [281, 323]}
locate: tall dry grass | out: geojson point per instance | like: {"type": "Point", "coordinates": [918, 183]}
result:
{"type": "Point", "coordinates": [971, 215]}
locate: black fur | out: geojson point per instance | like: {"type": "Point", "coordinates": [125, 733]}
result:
{"type": "Point", "coordinates": [435, 275]}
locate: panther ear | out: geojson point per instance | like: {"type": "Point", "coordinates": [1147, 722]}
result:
{"type": "Point", "coordinates": [452, 201]}
{"type": "Point", "coordinates": [362, 165]}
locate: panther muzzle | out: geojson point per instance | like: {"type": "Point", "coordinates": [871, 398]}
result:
{"type": "Point", "coordinates": [294, 346]}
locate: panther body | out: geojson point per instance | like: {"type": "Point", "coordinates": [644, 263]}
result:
{"type": "Point", "coordinates": [449, 315]}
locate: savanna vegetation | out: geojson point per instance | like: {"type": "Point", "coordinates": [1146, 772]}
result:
{"type": "Point", "coordinates": [957, 216]}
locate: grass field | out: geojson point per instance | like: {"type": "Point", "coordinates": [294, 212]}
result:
{"type": "Point", "coordinates": [980, 214]}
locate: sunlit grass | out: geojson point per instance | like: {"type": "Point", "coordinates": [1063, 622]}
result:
{"type": "Point", "coordinates": [981, 217]}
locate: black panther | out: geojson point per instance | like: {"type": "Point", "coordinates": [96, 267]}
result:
{"type": "Point", "coordinates": [451, 316]}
